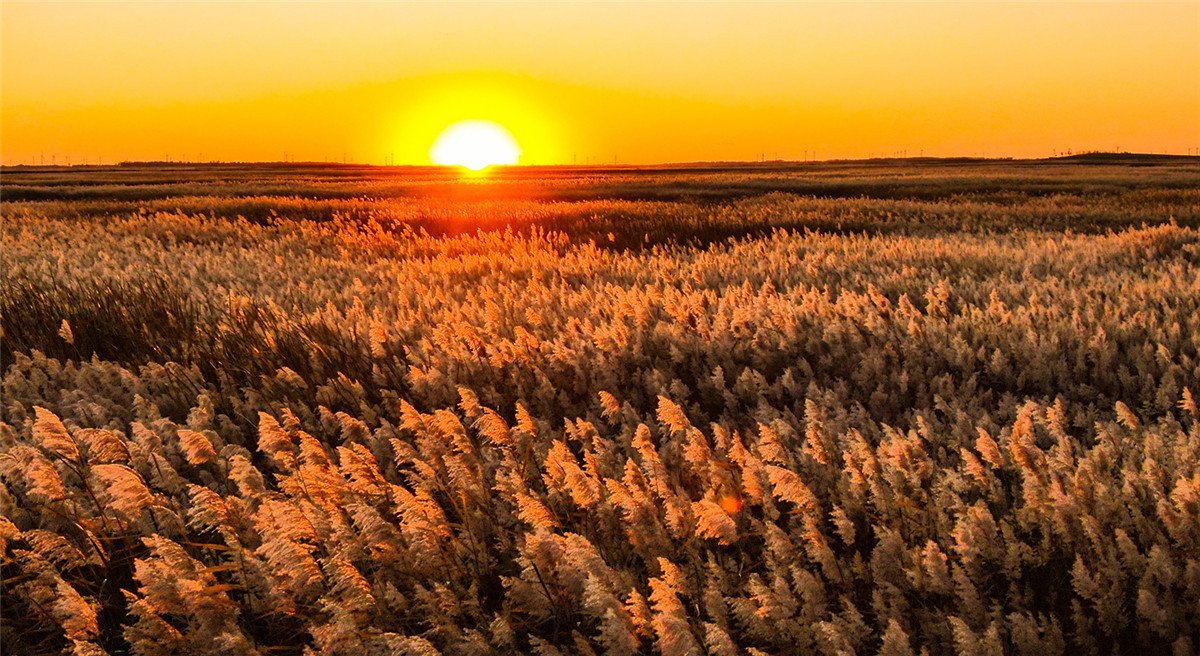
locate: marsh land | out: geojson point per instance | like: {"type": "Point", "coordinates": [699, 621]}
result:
{"type": "Point", "coordinates": [828, 407]}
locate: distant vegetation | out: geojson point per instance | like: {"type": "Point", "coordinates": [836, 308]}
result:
{"type": "Point", "coordinates": [919, 179]}
{"type": "Point", "coordinates": [827, 409]}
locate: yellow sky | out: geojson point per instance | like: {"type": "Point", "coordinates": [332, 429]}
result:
{"type": "Point", "coordinates": [590, 81]}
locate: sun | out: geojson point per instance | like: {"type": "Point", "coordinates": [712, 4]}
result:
{"type": "Point", "coordinates": [475, 145]}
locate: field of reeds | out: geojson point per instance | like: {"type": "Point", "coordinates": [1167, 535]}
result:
{"type": "Point", "coordinates": [876, 408]}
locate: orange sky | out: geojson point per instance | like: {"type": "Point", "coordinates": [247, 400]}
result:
{"type": "Point", "coordinates": [590, 81]}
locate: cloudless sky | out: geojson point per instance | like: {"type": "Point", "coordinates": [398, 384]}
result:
{"type": "Point", "coordinates": [590, 81]}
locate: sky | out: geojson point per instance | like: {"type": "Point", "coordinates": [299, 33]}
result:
{"type": "Point", "coordinates": [595, 82]}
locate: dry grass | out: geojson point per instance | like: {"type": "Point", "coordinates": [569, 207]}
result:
{"type": "Point", "coordinates": [398, 425]}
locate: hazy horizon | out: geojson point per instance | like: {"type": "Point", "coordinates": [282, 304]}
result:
{"type": "Point", "coordinates": [50, 162]}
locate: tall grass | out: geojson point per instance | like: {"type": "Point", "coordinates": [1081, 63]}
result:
{"type": "Point", "coordinates": [777, 425]}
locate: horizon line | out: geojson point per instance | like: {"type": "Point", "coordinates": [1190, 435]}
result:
{"type": "Point", "coordinates": [1068, 155]}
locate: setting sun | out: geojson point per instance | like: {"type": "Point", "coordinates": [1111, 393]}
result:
{"type": "Point", "coordinates": [475, 145]}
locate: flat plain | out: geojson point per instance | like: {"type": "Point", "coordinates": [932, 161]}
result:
{"type": "Point", "coordinates": [883, 407]}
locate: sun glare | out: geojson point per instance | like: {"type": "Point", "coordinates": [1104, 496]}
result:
{"type": "Point", "coordinates": [475, 145]}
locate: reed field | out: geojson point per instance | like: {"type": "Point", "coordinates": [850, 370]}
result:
{"type": "Point", "coordinates": [892, 407]}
